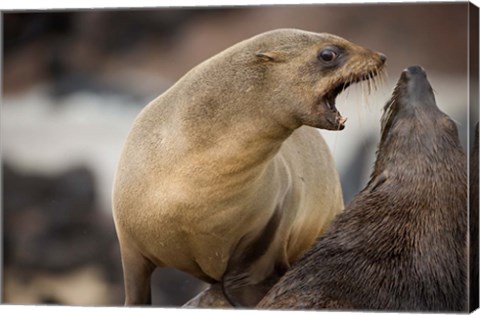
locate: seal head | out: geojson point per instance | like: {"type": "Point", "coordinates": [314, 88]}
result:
{"type": "Point", "coordinates": [412, 120]}
{"type": "Point", "coordinates": [314, 69]}
{"type": "Point", "coordinates": [412, 93]}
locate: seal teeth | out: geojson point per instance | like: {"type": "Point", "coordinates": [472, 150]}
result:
{"type": "Point", "coordinates": [369, 82]}
{"type": "Point", "coordinates": [341, 122]}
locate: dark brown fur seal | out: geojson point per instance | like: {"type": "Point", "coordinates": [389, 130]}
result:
{"type": "Point", "coordinates": [401, 243]}
{"type": "Point", "coordinates": [217, 177]}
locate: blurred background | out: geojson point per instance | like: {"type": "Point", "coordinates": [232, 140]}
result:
{"type": "Point", "coordinates": [73, 82]}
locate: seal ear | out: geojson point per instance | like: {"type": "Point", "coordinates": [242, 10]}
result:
{"type": "Point", "coordinates": [275, 56]}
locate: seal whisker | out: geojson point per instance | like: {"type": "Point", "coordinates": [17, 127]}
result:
{"type": "Point", "coordinates": [367, 84]}
{"type": "Point", "coordinates": [381, 79]}
{"type": "Point", "coordinates": [371, 81]}
{"type": "Point", "coordinates": [378, 79]}
{"type": "Point", "coordinates": [365, 91]}
{"type": "Point", "coordinates": [375, 79]}
{"type": "Point", "coordinates": [344, 87]}
{"type": "Point", "coordinates": [385, 77]}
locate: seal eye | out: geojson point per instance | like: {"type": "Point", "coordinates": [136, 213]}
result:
{"type": "Point", "coordinates": [328, 55]}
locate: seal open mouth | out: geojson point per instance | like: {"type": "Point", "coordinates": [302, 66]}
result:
{"type": "Point", "coordinates": [329, 98]}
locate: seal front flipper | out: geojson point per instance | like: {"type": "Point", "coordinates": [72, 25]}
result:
{"type": "Point", "coordinates": [137, 271]}
{"type": "Point", "coordinates": [249, 276]}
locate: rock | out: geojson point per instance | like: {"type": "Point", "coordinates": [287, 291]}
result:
{"type": "Point", "coordinates": [212, 297]}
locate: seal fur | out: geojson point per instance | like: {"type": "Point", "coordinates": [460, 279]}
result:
{"type": "Point", "coordinates": [219, 179]}
{"type": "Point", "coordinates": [473, 223]}
{"type": "Point", "coordinates": [400, 245]}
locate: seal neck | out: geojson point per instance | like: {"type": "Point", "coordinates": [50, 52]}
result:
{"type": "Point", "coordinates": [231, 119]}
{"type": "Point", "coordinates": [230, 122]}
{"type": "Point", "coordinates": [244, 144]}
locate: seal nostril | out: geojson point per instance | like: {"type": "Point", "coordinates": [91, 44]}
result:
{"type": "Point", "coordinates": [416, 70]}
{"type": "Point", "coordinates": [383, 58]}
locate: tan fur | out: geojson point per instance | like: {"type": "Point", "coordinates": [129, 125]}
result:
{"type": "Point", "coordinates": [208, 162]}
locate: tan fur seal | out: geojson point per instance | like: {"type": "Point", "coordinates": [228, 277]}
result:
{"type": "Point", "coordinates": [400, 245]}
{"type": "Point", "coordinates": [217, 178]}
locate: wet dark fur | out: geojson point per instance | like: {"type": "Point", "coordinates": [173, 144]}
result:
{"type": "Point", "coordinates": [401, 243]}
